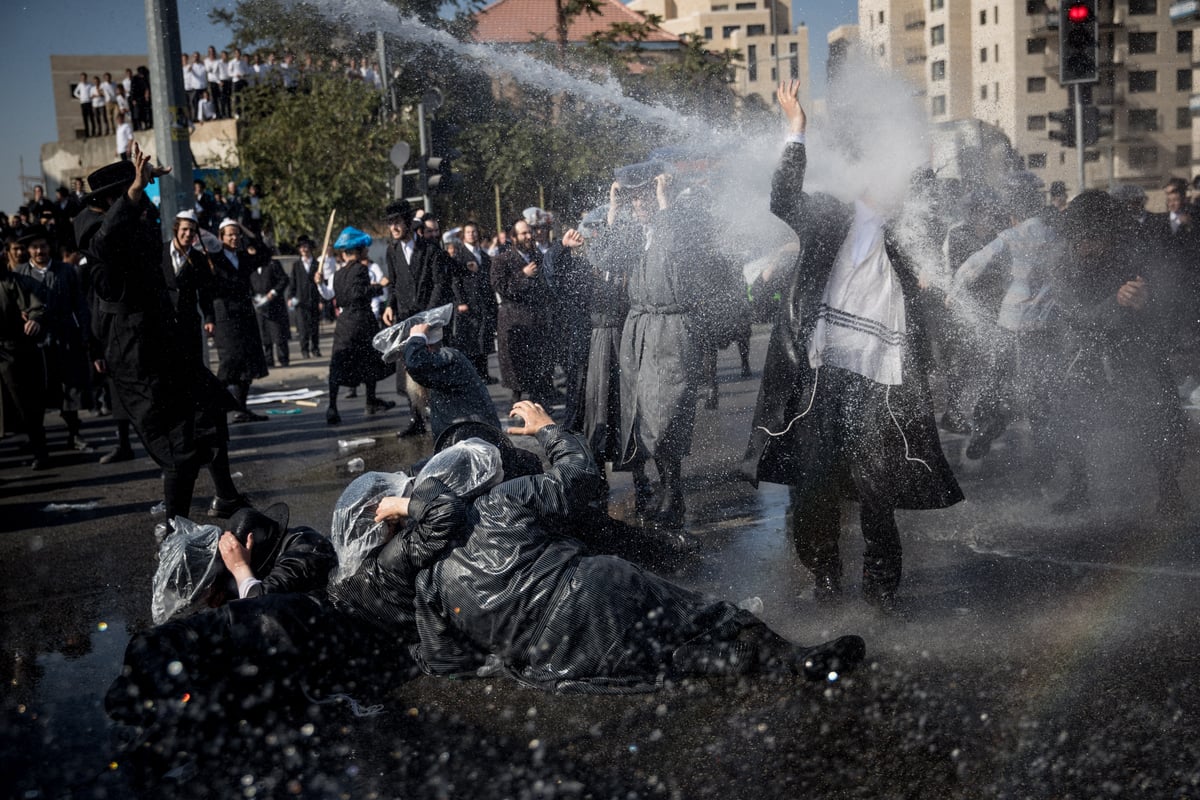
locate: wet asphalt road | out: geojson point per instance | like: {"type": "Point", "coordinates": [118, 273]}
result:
{"type": "Point", "coordinates": [1035, 656]}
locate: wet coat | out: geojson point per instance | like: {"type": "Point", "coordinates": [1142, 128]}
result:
{"type": "Point", "coordinates": [235, 328]}
{"type": "Point", "coordinates": [614, 254]}
{"type": "Point", "coordinates": [191, 293]}
{"type": "Point", "coordinates": [65, 332]}
{"type": "Point", "coordinates": [172, 399]}
{"type": "Point", "coordinates": [891, 447]}
{"type": "Point", "coordinates": [353, 359]}
{"type": "Point", "coordinates": [522, 590]}
{"type": "Point", "coordinates": [661, 349]}
{"type": "Point", "coordinates": [268, 276]}
{"type": "Point", "coordinates": [471, 286]}
{"type": "Point", "coordinates": [456, 392]}
{"type": "Point", "coordinates": [21, 373]}
{"type": "Point", "coordinates": [419, 285]}
{"type": "Point", "coordinates": [522, 324]}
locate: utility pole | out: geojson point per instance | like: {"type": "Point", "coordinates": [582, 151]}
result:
{"type": "Point", "coordinates": [172, 137]}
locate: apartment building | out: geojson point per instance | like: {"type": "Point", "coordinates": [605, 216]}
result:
{"type": "Point", "coordinates": [997, 62]}
{"type": "Point", "coordinates": [761, 30]}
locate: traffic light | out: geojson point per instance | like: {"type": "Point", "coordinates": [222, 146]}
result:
{"type": "Point", "coordinates": [1066, 121]}
{"type": "Point", "coordinates": [436, 174]}
{"type": "Point", "coordinates": [1091, 125]}
{"type": "Point", "coordinates": [1078, 42]}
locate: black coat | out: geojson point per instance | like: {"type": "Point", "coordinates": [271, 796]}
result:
{"type": "Point", "coordinates": [21, 374]}
{"type": "Point", "coordinates": [303, 287]}
{"type": "Point", "coordinates": [191, 293]}
{"type": "Point", "coordinates": [66, 326]}
{"type": "Point", "coordinates": [525, 307]}
{"type": "Point", "coordinates": [456, 392]}
{"type": "Point", "coordinates": [420, 285]}
{"type": "Point", "coordinates": [471, 286]}
{"type": "Point", "coordinates": [267, 277]}
{"type": "Point", "coordinates": [173, 401]}
{"type": "Point", "coordinates": [900, 461]}
{"type": "Point", "coordinates": [353, 359]}
{"type": "Point", "coordinates": [235, 323]}
{"type": "Point", "coordinates": [614, 253]}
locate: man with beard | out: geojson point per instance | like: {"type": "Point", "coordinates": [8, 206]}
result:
{"type": "Point", "coordinates": [173, 401]}
{"type": "Point", "coordinates": [236, 332]}
{"type": "Point", "coordinates": [65, 331]}
{"type": "Point", "coordinates": [417, 278]}
{"type": "Point", "coordinates": [304, 295]}
{"type": "Point", "coordinates": [523, 340]}
{"type": "Point", "coordinates": [844, 409]}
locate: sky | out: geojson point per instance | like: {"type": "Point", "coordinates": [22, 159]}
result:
{"type": "Point", "coordinates": [32, 31]}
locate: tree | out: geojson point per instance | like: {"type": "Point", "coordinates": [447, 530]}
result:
{"type": "Point", "coordinates": [316, 151]}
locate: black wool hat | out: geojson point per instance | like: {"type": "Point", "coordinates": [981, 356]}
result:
{"type": "Point", "coordinates": [109, 180]}
{"type": "Point", "coordinates": [398, 211]}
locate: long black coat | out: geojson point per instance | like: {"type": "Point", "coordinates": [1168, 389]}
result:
{"type": "Point", "coordinates": [522, 323]}
{"type": "Point", "coordinates": [235, 323]}
{"type": "Point", "coordinates": [268, 276]}
{"type": "Point", "coordinates": [354, 360]}
{"type": "Point", "coordinates": [900, 461]}
{"type": "Point", "coordinates": [65, 332]}
{"type": "Point", "coordinates": [557, 618]}
{"type": "Point", "coordinates": [456, 392]}
{"type": "Point", "coordinates": [173, 401]}
{"type": "Point", "coordinates": [471, 286]}
{"type": "Point", "coordinates": [191, 293]}
{"type": "Point", "coordinates": [614, 254]}
{"type": "Point", "coordinates": [420, 285]}
{"type": "Point", "coordinates": [303, 287]}
{"type": "Point", "coordinates": [21, 372]}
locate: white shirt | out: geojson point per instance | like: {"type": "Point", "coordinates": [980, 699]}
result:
{"type": "Point", "coordinates": [232, 256]}
{"type": "Point", "coordinates": [109, 91]}
{"type": "Point", "coordinates": [178, 259]}
{"type": "Point", "coordinates": [97, 96]}
{"type": "Point", "coordinates": [189, 79]}
{"type": "Point", "coordinates": [83, 93]}
{"type": "Point", "coordinates": [379, 301]}
{"type": "Point", "coordinates": [206, 110]}
{"type": "Point", "coordinates": [214, 68]}
{"type": "Point", "coordinates": [238, 69]}
{"type": "Point", "coordinates": [127, 85]}
{"type": "Point", "coordinates": [1175, 223]}
{"type": "Point", "coordinates": [123, 103]}
{"type": "Point", "coordinates": [124, 137]}
{"type": "Point", "coordinates": [199, 74]}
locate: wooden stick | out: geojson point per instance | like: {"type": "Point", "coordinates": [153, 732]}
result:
{"type": "Point", "coordinates": [325, 244]}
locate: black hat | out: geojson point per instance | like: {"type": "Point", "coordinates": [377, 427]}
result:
{"type": "Point", "coordinates": [109, 180]}
{"type": "Point", "coordinates": [303, 239]}
{"type": "Point", "coordinates": [33, 233]}
{"type": "Point", "coordinates": [398, 211]}
{"type": "Point", "coordinates": [268, 528]}
{"type": "Point", "coordinates": [1094, 214]}
{"type": "Point", "coordinates": [635, 176]}
{"type": "Point", "coordinates": [1058, 189]}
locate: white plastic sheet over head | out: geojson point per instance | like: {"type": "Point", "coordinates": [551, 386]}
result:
{"type": "Point", "coordinates": [354, 531]}
{"type": "Point", "coordinates": [188, 570]}
{"type": "Point", "coordinates": [390, 341]}
{"type": "Point", "coordinates": [468, 468]}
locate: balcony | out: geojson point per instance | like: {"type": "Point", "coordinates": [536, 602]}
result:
{"type": "Point", "coordinates": [914, 20]}
{"type": "Point", "coordinates": [914, 56]}
{"type": "Point", "coordinates": [1184, 10]}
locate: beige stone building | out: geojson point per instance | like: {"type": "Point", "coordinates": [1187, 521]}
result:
{"type": "Point", "coordinates": [997, 62]}
{"type": "Point", "coordinates": [761, 30]}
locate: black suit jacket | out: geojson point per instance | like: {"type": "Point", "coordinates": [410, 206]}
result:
{"type": "Point", "coordinates": [191, 290]}
{"type": "Point", "coordinates": [419, 285]}
{"type": "Point", "coordinates": [303, 285]}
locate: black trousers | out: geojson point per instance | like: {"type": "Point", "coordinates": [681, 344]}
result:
{"type": "Point", "coordinates": [815, 519]}
{"type": "Point", "coordinates": [308, 327]}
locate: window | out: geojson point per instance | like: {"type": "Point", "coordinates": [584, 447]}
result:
{"type": "Point", "coordinates": [795, 60]}
{"type": "Point", "coordinates": [772, 50]}
{"type": "Point", "coordinates": [983, 17]}
{"type": "Point", "coordinates": [1183, 155]}
{"type": "Point", "coordinates": [729, 30]}
{"type": "Point", "coordinates": [937, 105]}
{"type": "Point", "coordinates": [1143, 7]}
{"type": "Point", "coordinates": [1036, 161]}
{"type": "Point", "coordinates": [937, 34]}
{"type": "Point", "coordinates": [937, 71]}
{"type": "Point", "coordinates": [708, 32]}
{"type": "Point", "coordinates": [983, 92]}
{"type": "Point", "coordinates": [880, 17]}
{"type": "Point", "coordinates": [774, 74]}
{"type": "Point", "coordinates": [1143, 157]}
{"type": "Point", "coordinates": [1035, 46]}
{"type": "Point", "coordinates": [1183, 118]}
{"type": "Point", "coordinates": [1183, 41]}
{"type": "Point", "coordinates": [937, 5]}
{"type": "Point", "coordinates": [983, 55]}
{"type": "Point", "coordinates": [1183, 80]}
{"type": "Point", "coordinates": [720, 8]}
{"type": "Point", "coordinates": [1034, 7]}
{"type": "Point", "coordinates": [1036, 122]}
{"type": "Point", "coordinates": [1145, 81]}
{"type": "Point", "coordinates": [752, 63]}
{"type": "Point", "coordinates": [996, 53]}
{"type": "Point", "coordinates": [1141, 43]}
{"type": "Point", "coordinates": [756, 30]}
{"type": "Point", "coordinates": [1035, 84]}
{"type": "Point", "coordinates": [746, 6]}
{"type": "Point", "coordinates": [1143, 119]}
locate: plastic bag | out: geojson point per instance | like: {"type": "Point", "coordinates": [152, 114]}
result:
{"type": "Point", "coordinates": [354, 531]}
{"type": "Point", "coordinates": [468, 468]}
{"type": "Point", "coordinates": [390, 341]}
{"type": "Point", "coordinates": [189, 567]}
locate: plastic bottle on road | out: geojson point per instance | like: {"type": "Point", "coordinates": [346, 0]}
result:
{"type": "Point", "coordinates": [355, 466]}
{"type": "Point", "coordinates": [350, 445]}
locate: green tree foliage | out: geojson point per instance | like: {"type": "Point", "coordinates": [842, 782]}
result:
{"type": "Point", "coordinates": [318, 150]}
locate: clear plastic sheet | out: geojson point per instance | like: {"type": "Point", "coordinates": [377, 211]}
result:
{"type": "Point", "coordinates": [468, 468]}
{"type": "Point", "coordinates": [188, 569]}
{"type": "Point", "coordinates": [354, 531]}
{"type": "Point", "coordinates": [390, 341]}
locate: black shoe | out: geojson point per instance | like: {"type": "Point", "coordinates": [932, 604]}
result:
{"type": "Point", "coordinates": [643, 496]}
{"type": "Point", "coordinates": [954, 422]}
{"type": "Point", "coordinates": [830, 660]}
{"type": "Point", "coordinates": [670, 511]}
{"type": "Point", "coordinates": [120, 454]}
{"type": "Point", "coordinates": [224, 508]}
{"type": "Point", "coordinates": [712, 399]}
{"type": "Point", "coordinates": [882, 597]}
{"type": "Point", "coordinates": [981, 442]}
{"type": "Point", "coordinates": [39, 463]}
{"type": "Point", "coordinates": [333, 417]}
{"type": "Point", "coordinates": [353, 392]}
{"type": "Point", "coordinates": [247, 416]}
{"type": "Point", "coordinates": [78, 444]}
{"type": "Point", "coordinates": [415, 428]}
{"type": "Point", "coordinates": [379, 406]}
{"type": "Point", "coordinates": [317, 354]}
{"type": "Point", "coordinates": [827, 589]}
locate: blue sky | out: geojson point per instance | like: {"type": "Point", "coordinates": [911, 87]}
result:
{"type": "Point", "coordinates": [35, 29]}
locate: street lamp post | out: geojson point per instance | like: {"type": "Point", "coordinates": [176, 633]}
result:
{"type": "Point", "coordinates": [172, 135]}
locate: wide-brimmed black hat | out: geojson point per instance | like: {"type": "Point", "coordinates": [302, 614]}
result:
{"type": "Point", "coordinates": [304, 239]}
{"type": "Point", "coordinates": [635, 176]}
{"type": "Point", "coordinates": [398, 211]}
{"type": "Point", "coordinates": [268, 527]}
{"type": "Point", "coordinates": [33, 233]}
{"type": "Point", "coordinates": [109, 180]}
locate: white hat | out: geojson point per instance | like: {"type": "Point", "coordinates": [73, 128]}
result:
{"type": "Point", "coordinates": [452, 235]}
{"type": "Point", "coordinates": [225, 223]}
{"type": "Point", "coordinates": [534, 216]}
{"type": "Point", "coordinates": [189, 215]}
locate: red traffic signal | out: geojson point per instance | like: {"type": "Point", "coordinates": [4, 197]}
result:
{"type": "Point", "coordinates": [1079, 12]}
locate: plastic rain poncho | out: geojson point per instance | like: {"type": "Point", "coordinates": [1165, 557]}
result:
{"type": "Point", "coordinates": [354, 531]}
{"type": "Point", "coordinates": [390, 341]}
{"type": "Point", "coordinates": [189, 568]}
{"type": "Point", "coordinates": [468, 469]}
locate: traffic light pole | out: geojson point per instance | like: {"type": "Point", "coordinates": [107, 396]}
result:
{"type": "Point", "coordinates": [1080, 150]}
{"type": "Point", "coordinates": [172, 137]}
{"type": "Point", "coordinates": [424, 143]}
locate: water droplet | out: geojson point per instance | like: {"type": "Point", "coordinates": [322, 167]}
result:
{"type": "Point", "coordinates": [307, 729]}
{"type": "Point", "coordinates": [102, 626]}
{"type": "Point", "coordinates": [174, 668]}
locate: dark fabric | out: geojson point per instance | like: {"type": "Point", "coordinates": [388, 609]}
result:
{"type": "Point", "coordinates": [64, 349]}
{"type": "Point", "coordinates": [614, 253]}
{"type": "Point", "coordinates": [191, 293]}
{"type": "Point", "coordinates": [274, 327]}
{"type": "Point", "coordinates": [421, 285]}
{"type": "Point", "coordinates": [235, 328]}
{"type": "Point", "coordinates": [456, 392]}
{"type": "Point", "coordinates": [299, 560]}
{"type": "Point", "coordinates": [303, 289]}
{"type": "Point", "coordinates": [21, 374]}
{"type": "Point", "coordinates": [471, 286]}
{"type": "Point", "coordinates": [661, 349]}
{"type": "Point", "coordinates": [570, 321]}
{"type": "Point", "coordinates": [808, 423]}
{"type": "Point", "coordinates": [173, 401]}
{"type": "Point", "coordinates": [353, 359]}
{"type": "Point", "coordinates": [522, 324]}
